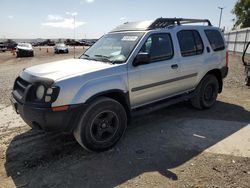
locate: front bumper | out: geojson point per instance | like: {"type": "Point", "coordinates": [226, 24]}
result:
{"type": "Point", "coordinates": [25, 53]}
{"type": "Point", "coordinates": [47, 119]}
{"type": "Point", "coordinates": [61, 51]}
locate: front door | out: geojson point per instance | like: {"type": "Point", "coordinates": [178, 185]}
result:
{"type": "Point", "coordinates": [155, 80]}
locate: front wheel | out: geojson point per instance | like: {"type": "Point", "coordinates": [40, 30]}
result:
{"type": "Point", "coordinates": [247, 81]}
{"type": "Point", "coordinates": [207, 92]}
{"type": "Point", "coordinates": [102, 125]}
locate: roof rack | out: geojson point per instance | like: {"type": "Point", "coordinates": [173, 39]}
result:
{"type": "Point", "coordinates": [166, 22]}
{"type": "Point", "coordinates": [158, 23]}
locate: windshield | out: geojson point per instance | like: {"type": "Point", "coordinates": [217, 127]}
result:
{"type": "Point", "coordinates": [24, 45]}
{"type": "Point", "coordinates": [61, 45]}
{"type": "Point", "coordinates": [114, 47]}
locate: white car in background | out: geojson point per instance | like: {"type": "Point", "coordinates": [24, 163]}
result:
{"type": "Point", "coordinates": [24, 50]}
{"type": "Point", "coordinates": [61, 48]}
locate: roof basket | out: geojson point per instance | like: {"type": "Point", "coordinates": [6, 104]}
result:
{"type": "Point", "coordinates": [166, 22]}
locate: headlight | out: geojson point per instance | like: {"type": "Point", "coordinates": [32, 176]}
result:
{"type": "Point", "coordinates": [40, 91]}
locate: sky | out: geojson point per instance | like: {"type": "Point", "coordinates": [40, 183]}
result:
{"type": "Point", "coordinates": [28, 19]}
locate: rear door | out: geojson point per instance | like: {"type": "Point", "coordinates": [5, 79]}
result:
{"type": "Point", "coordinates": [192, 57]}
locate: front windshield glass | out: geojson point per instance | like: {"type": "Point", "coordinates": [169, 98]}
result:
{"type": "Point", "coordinates": [24, 45]}
{"type": "Point", "coordinates": [60, 45]}
{"type": "Point", "coordinates": [114, 47]}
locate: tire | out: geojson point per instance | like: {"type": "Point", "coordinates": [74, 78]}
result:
{"type": "Point", "coordinates": [102, 125]}
{"type": "Point", "coordinates": [247, 81]}
{"type": "Point", "coordinates": [207, 92]}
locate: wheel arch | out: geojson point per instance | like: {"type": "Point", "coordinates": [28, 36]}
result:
{"type": "Point", "coordinates": [217, 74]}
{"type": "Point", "coordinates": [116, 94]}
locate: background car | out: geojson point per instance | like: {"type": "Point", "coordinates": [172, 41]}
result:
{"type": "Point", "coordinates": [3, 47]}
{"type": "Point", "coordinates": [24, 50]}
{"type": "Point", "coordinates": [61, 48]}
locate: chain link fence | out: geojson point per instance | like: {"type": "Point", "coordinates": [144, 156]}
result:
{"type": "Point", "coordinates": [237, 40]}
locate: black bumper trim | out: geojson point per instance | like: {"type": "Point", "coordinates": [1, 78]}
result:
{"type": "Point", "coordinates": [48, 120]}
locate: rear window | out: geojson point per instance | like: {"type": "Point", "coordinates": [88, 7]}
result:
{"type": "Point", "coordinates": [190, 43]}
{"type": "Point", "coordinates": [215, 39]}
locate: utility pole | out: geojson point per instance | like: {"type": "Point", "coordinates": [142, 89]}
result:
{"type": "Point", "coordinates": [74, 36]}
{"type": "Point", "coordinates": [221, 11]}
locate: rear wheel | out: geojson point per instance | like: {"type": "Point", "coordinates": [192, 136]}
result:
{"type": "Point", "coordinates": [101, 125]}
{"type": "Point", "coordinates": [207, 92]}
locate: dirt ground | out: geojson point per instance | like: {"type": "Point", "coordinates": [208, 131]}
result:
{"type": "Point", "coordinates": [174, 147]}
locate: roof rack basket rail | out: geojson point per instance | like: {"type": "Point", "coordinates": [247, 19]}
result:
{"type": "Point", "coordinates": [165, 22]}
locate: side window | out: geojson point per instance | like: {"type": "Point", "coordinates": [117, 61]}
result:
{"type": "Point", "coordinates": [198, 42]}
{"type": "Point", "coordinates": [190, 43]}
{"type": "Point", "coordinates": [159, 47]}
{"type": "Point", "coordinates": [215, 39]}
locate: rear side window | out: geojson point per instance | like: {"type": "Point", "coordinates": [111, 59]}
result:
{"type": "Point", "coordinates": [198, 43]}
{"type": "Point", "coordinates": [215, 39]}
{"type": "Point", "coordinates": [190, 43]}
{"type": "Point", "coordinates": [159, 46]}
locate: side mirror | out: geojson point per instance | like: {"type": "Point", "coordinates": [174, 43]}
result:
{"type": "Point", "coordinates": [141, 58]}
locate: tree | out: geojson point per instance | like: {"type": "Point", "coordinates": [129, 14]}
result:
{"type": "Point", "coordinates": [242, 13]}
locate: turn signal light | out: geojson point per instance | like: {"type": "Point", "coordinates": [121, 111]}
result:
{"type": "Point", "coordinates": [60, 108]}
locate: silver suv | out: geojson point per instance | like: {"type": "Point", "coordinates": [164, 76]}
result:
{"type": "Point", "coordinates": [137, 67]}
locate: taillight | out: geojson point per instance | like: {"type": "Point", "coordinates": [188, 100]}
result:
{"type": "Point", "coordinates": [227, 58]}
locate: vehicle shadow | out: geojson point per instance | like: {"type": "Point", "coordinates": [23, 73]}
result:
{"type": "Point", "coordinates": [153, 143]}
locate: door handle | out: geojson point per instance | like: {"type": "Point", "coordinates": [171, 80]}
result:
{"type": "Point", "coordinates": [208, 49]}
{"type": "Point", "coordinates": [175, 66]}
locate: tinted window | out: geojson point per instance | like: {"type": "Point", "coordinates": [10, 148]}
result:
{"type": "Point", "coordinates": [159, 46]}
{"type": "Point", "coordinates": [198, 42]}
{"type": "Point", "coordinates": [190, 43]}
{"type": "Point", "coordinates": [215, 39]}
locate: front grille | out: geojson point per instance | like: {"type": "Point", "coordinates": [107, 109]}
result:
{"type": "Point", "coordinates": [20, 88]}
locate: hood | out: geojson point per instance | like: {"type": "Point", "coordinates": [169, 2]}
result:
{"type": "Point", "coordinates": [24, 48]}
{"type": "Point", "coordinates": [61, 69]}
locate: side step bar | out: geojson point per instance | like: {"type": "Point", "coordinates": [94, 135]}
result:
{"type": "Point", "coordinates": [161, 104]}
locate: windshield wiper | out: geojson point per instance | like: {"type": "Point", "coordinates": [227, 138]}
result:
{"type": "Point", "coordinates": [104, 58]}
{"type": "Point", "coordinates": [86, 55]}
{"type": "Point", "coordinates": [101, 58]}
